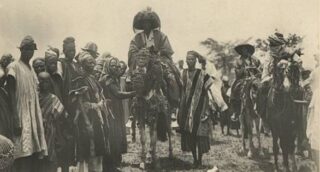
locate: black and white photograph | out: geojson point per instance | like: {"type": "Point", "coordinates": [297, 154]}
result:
{"type": "Point", "coordinates": [159, 85]}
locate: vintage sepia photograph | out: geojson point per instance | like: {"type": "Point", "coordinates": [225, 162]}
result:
{"type": "Point", "coordinates": [159, 85]}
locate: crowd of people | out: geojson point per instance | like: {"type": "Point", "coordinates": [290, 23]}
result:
{"type": "Point", "coordinates": [68, 109]}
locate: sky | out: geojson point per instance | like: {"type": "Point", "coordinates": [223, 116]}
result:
{"type": "Point", "coordinates": [186, 23]}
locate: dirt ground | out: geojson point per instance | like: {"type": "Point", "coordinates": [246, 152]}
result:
{"type": "Point", "coordinates": [225, 153]}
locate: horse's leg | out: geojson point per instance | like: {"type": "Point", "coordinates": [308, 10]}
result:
{"type": "Point", "coordinates": [243, 133]}
{"type": "Point", "coordinates": [153, 143]}
{"type": "Point", "coordinates": [258, 123]}
{"type": "Point", "coordinates": [222, 127]}
{"type": "Point", "coordinates": [228, 123]}
{"type": "Point", "coordinates": [287, 145]}
{"type": "Point", "coordinates": [143, 142]}
{"type": "Point", "coordinates": [275, 150]}
{"type": "Point", "coordinates": [169, 131]}
{"type": "Point", "coordinates": [285, 160]}
{"type": "Point", "coordinates": [133, 128]}
{"type": "Point", "coordinates": [250, 137]}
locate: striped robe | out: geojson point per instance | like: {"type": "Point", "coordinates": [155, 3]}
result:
{"type": "Point", "coordinates": [194, 107]}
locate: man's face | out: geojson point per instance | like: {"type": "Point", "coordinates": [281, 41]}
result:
{"type": "Point", "coordinates": [122, 69]}
{"type": "Point", "coordinates": [44, 84]}
{"type": "Point", "coordinates": [181, 64]}
{"type": "Point", "coordinates": [147, 26]}
{"type": "Point", "coordinates": [70, 53]}
{"type": "Point", "coordinates": [191, 61]}
{"type": "Point", "coordinates": [27, 54]}
{"type": "Point", "coordinates": [114, 67]}
{"type": "Point", "coordinates": [52, 66]}
{"type": "Point", "coordinates": [39, 66]}
{"type": "Point", "coordinates": [142, 60]}
{"type": "Point", "coordinates": [88, 64]}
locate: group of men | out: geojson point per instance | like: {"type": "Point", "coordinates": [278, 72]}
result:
{"type": "Point", "coordinates": [57, 114]}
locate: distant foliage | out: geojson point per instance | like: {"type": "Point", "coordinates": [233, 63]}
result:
{"type": "Point", "coordinates": [224, 56]}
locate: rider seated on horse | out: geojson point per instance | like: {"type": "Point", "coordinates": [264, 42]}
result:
{"type": "Point", "coordinates": [246, 66]}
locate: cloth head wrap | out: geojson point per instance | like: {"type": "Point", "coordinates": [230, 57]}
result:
{"type": "Point", "coordinates": [50, 55]}
{"type": "Point", "coordinates": [84, 56]}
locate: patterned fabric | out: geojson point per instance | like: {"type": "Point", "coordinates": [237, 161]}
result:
{"type": "Point", "coordinates": [52, 109]}
{"type": "Point", "coordinates": [194, 101]}
{"type": "Point", "coordinates": [29, 116]}
{"type": "Point", "coordinates": [193, 116]}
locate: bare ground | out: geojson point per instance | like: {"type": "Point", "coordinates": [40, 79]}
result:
{"type": "Point", "coordinates": [225, 153]}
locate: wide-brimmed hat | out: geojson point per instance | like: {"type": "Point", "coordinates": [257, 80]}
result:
{"type": "Point", "coordinates": [28, 43]}
{"type": "Point", "coordinates": [146, 16]}
{"type": "Point", "coordinates": [91, 47]}
{"type": "Point", "coordinates": [243, 48]}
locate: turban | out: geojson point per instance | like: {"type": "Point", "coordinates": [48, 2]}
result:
{"type": "Point", "coordinates": [68, 43]}
{"type": "Point", "coordinates": [83, 56]}
{"type": "Point", "coordinates": [28, 43]}
{"type": "Point", "coordinates": [50, 54]}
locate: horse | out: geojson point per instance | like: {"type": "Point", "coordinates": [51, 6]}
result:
{"type": "Point", "coordinates": [154, 102]}
{"type": "Point", "coordinates": [282, 110]}
{"type": "Point", "coordinates": [249, 115]}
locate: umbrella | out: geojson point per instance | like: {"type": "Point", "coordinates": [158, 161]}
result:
{"type": "Point", "coordinates": [146, 16]}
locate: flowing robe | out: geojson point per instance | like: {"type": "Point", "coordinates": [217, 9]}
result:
{"type": "Point", "coordinates": [29, 116]}
{"type": "Point", "coordinates": [193, 109]}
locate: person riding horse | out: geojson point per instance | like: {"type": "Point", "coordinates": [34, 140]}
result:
{"type": "Point", "coordinates": [246, 66]}
{"type": "Point", "coordinates": [158, 45]}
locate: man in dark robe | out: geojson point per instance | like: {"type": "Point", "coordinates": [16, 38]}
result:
{"type": "Point", "coordinates": [92, 122]}
{"type": "Point", "coordinates": [70, 70]}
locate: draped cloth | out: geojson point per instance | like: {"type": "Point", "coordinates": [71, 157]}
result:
{"type": "Point", "coordinates": [314, 110]}
{"type": "Point", "coordinates": [29, 118]}
{"type": "Point", "coordinates": [88, 145]}
{"type": "Point", "coordinates": [52, 110]}
{"type": "Point", "coordinates": [193, 108]}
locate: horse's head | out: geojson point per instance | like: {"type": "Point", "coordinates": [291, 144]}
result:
{"type": "Point", "coordinates": [143, 58]}
{"type": "Point", "coordinates": [287, 71]}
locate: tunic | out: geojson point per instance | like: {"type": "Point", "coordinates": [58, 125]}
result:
{"type": "Point", "coordinates": [29, 114]}
{"type": "Point", "coordinates": [314, 111]}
